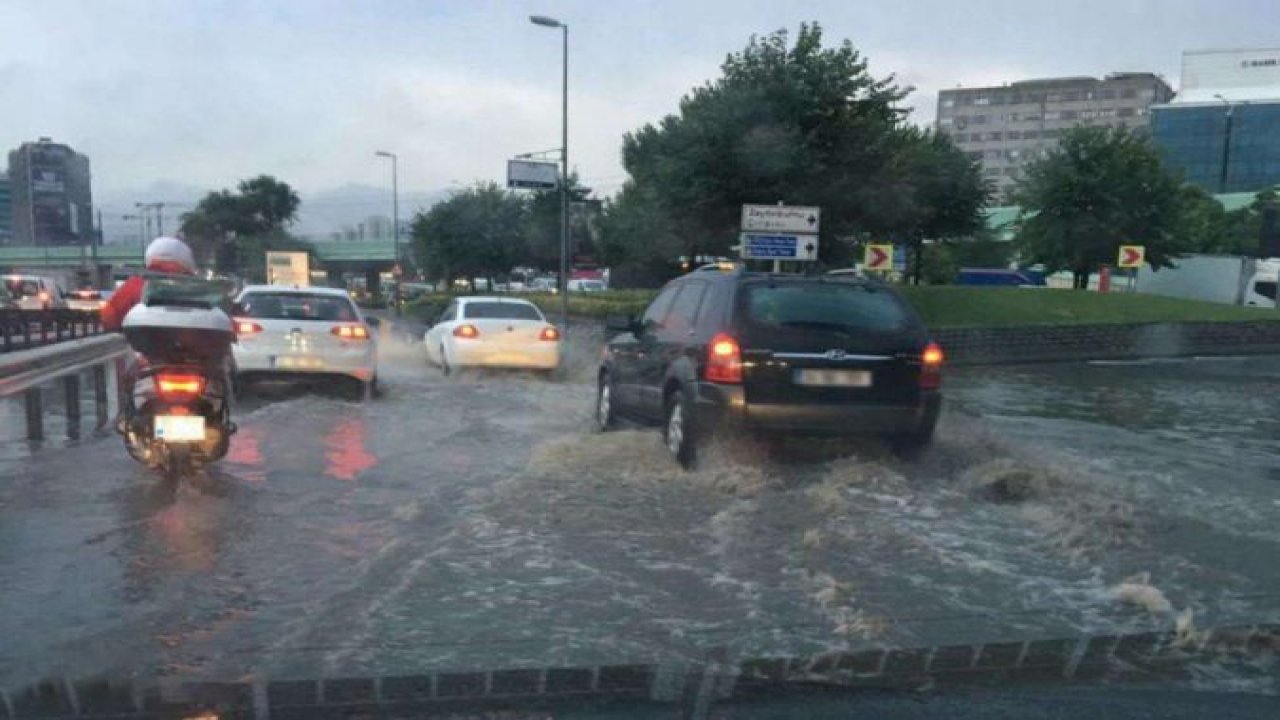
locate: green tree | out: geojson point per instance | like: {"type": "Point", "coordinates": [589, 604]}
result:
{"type": "Point", "coordinates": [475, 233]}
{"type": "Point", "coordinates": [1241, 229]}
{"type": "Point", "coordinates": [234, 228]}
{"type": "Point", "coordinates": [791, 122]}
{"type": "Point", "coordinates": [542, 229]}
{"type": "Point", "coordinates": [1099, 189]}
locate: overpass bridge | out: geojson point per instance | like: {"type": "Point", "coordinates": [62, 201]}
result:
{"type": "Point", "coordinates": [365, 256]}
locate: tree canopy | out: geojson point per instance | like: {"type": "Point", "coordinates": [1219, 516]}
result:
{"type": "Point", "coordinates": [476, 232]}
{"type": "Point", "coordinates": [1098, 189]}
{"type": "Point", "coordinates": [798, 123]}
{"type": "Point", "coordinates": [230, 226]}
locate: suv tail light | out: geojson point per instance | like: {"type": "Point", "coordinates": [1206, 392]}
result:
{"type": "Point", "coordinates": [724, 360]}
{"type": "Point", "coordinates": [550, 334]}
{"type": "Point", "coordinates": [247, 327]}
{"type": "Point", "coordinates": [174, 385]}
{"type": "Point", "coordinates": [931, 359]}
{"type": "Point", "coordinates": [466, 331]}
{"type": "Point", "coordinates": [350, 332]}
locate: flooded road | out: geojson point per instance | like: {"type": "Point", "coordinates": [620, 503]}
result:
{"type": "Point", "coordinates": [477, 522]}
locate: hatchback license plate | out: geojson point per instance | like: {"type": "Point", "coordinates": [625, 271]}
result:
{"type": "Point", "coordinates": [833, 378]}
{"type": "Point", "coordinates": [179, 428]}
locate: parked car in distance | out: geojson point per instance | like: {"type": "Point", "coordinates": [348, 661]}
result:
{"type": "Point", "coordinates": [772, 354]}
{"type": "Point", "coordinates": [492, 332]}
{"type": "Point", "coordinates": [286, 333]}
{"type": "Point", "coordinates": [35, 292]}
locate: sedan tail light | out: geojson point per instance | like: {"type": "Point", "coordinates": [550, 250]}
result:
{"type": "Point", "coordinates": [550, 334]}
{"type": "Point", "coordinates": [466, 331]}
{"type": "Point", "coordinates": [351, 332]}
{"type": "Point", "coordinates": [247, 327]}
{"type": "Point", "coordinates": [931, 359]}
{"type": "Point", "coordinates": [175, 385]}
{"type": "Point", "coordinates": [724, 360]}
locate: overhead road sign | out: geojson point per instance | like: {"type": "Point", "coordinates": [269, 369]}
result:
{"type": "Point", "coordinates": [782, 219]}
{"type": "Point", "coordinates": [533, 174]}
{"type": "Point", "coordinates": [878, 258]}
{"type": "Point", "coordinates": [778, 246]}
{"type": "Point", "coordinates": [1132, 256]}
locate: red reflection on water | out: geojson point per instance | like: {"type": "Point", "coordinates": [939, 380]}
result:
{"type": "Point", "coordinates": [246, 449]}
{"type": "Point", "coordinates": [345, 451]}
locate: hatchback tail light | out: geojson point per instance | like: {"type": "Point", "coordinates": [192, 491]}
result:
{"type": "Point", "coordinates": [466, 331]}
{"type": "Point", "coordinates": [724, 360]}
{"type": "Point", "coordinates": [931, 359]}
{"type": "Point", "coordinates": [351, 332]}
{"type": "Point", "coordinates": [247, 327]}
{"type": "Point", "coordinates": [179, 385]}
{"type": "Point", "coordinates": [550, 334]}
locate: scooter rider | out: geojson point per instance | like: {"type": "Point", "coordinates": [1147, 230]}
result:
{"type": "Point", "coordinates": [164, 255]}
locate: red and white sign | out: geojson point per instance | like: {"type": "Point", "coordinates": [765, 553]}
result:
{"type": "Point", "coordinates": [878, 257]}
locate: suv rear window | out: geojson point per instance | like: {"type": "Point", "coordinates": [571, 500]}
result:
{"type": "Point", "coordinates": [823, 309]}
{"type": "Point", "coordinates": [297, 306]}
{"type": "Point", "coordinates": [500, 311]}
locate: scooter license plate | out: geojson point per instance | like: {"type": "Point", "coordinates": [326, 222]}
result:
{"type": "Point", "coordinates": [179, 428]}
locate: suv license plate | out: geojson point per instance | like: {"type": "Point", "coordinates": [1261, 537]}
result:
{"type": "Point", "coordinates": [179, 428]}
{"type": "Point", "coordinates": [833, 378]}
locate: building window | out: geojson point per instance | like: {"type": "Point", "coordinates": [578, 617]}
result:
{"type": "Point", "coordinates": [1140, 111]}
{"type": "Point", "coordinates": [1011, 171]}
{"type": "Point", "coordinates": [1030, 134]}
{"type": "Point", "coordinates": [1053, 97]}
{"type": "Point", "coordinates": [1106, 94]}
{"type": "Point", "coordinates": [991, 172]}
{"type": "Point", "coordinates": [1129, 93]}
{"type": "Point", "coordinates": [1012, 135]}
{"type": "Point", "coordinates": [995, 136]}
{"type": "Point", "coordinates": [993, 154]}
{"type": "Point", "coordinates": [1052, 115]}
{"type": "Point", "coordinates": [1125, 112]}
{"type": "Point", "coordinates": [1016, 99]}
{"type": "Point", "coordinates": [948, 102]}
{"type": "Point", "coordinates": [944, 122]}
{"type": "Point", "coordinates": [982, 100]}
{"type": "Point", "coordinates": [978, 119]}
{"type": "Point", "coordinates": [1070, 96]}
{"type": "Point", "coordinates": [1070, 114]}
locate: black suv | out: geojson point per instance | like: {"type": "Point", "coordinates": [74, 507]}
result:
{"type": "Point", "coordinates": [774, 353]}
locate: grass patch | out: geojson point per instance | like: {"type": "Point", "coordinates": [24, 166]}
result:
{"type": "Point", "coordinates": [951, 306]}
{"type": "Point", "coordinates": [941, 306]}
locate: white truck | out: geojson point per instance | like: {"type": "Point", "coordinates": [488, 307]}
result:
{"type": "Point", "coordinates": [1227, 279]}
{"type": "Point", "coordinates": [288, 268]}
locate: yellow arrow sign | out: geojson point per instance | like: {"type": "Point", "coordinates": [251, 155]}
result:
{"type": "Point", "coordinates": [1132, 256]}
{"type": "Point", "coordinates": [878, 257]}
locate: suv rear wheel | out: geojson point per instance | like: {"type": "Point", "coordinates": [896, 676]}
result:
{"type": "Point", "coordinates": [606, 413]}
{"type": "Point", "coordinates": [679, 432]}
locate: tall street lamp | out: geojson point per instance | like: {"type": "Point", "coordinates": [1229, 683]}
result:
{"type": "Point", "coordinates": [545, 21]}
{"type": "Point", "coordinates": [1226, 141]}
{"type": "Point", "coordinates": [395, 216]}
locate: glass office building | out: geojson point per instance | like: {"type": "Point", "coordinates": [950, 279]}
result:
{"type": "Point", "coordinates": [1222, 129]}
{"type": "Point", "coordinates": [1242, 155]}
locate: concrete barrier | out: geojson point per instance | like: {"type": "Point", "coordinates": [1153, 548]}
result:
{"type": "Point", "coordinates": [23, 373]}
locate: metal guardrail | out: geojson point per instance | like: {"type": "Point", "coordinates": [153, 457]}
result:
{"type": "Point", "coordinates": [25, 370]}
{"type": "Point", "coordinates": [26, 329]}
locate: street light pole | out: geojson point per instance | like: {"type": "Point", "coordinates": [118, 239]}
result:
{"type": "Point", "coordinates": [395, 217]}
{"type": "Point", "coordinates": [564, 160]}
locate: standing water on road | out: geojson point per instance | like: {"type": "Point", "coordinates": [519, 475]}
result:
{"type": "Point", "coordinates": [476, 522]}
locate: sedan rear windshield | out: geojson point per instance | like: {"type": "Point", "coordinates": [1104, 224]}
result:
{"type": "Point", "coordinates": [822, 310]}
{"type": "Point", "coordinates": [22, 288]}
{"type": "Point", "coordinates": [500, 311]}
{"type": "Point", "coordinates": [297, 306]}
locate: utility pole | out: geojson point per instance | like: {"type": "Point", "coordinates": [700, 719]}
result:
{"type": "Point", "coordinates": [564, 167]}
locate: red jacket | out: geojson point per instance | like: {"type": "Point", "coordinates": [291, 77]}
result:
{"type": "Point", "coordinates": [121, 302]}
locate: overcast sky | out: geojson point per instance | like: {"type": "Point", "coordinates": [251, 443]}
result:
{"type": "Point", "coordinates": [204, 93]}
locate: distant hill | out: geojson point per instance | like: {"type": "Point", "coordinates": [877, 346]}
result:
{"type": "Point", "coordinates": [321, 212]}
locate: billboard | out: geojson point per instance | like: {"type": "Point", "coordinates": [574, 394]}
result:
{"type": "Point", "coordinates": [1219, 69]}
{"type": "Point", "coordinates": [533, 174]}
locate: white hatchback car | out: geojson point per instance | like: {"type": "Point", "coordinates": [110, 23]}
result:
{"type": "Point", "coordinates": [493, 332]}
{"type": "Point", "coordinates": [309, 331]}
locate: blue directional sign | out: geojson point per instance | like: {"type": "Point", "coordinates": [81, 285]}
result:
{"type": "Point", "coordinates": [900, 258]}
{"type": "Point", "coordinates": [779, 246]}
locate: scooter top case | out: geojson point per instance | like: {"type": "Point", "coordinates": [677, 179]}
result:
{"type": "Point", "coordinates": [180, 323]}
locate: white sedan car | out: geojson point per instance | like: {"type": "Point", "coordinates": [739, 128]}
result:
{"type": "Point", "coordinates": [290, 332]}
{"type": "Point", "coordinates": [493, 332]}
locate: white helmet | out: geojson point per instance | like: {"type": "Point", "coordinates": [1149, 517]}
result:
{"type": "Point", "coordinates": [169, 254]}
